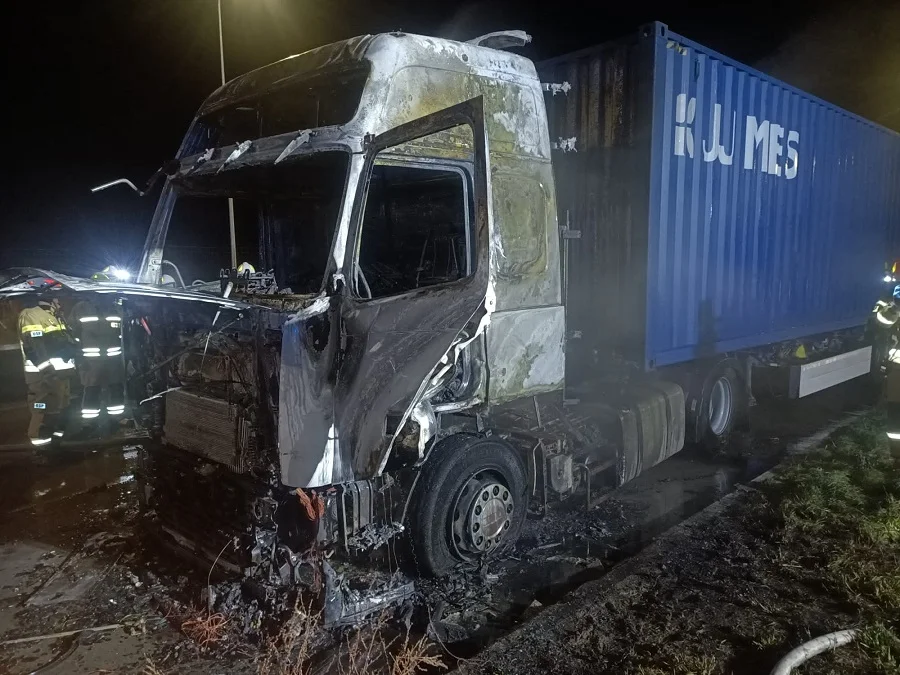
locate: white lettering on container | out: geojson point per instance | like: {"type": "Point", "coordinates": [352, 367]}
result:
{"type": "Point", "coordinates": [764, 143]}
{"type": "Point", "coordinates": [790, 167]}
{"type": "Point", "coordinates": [716, 149]}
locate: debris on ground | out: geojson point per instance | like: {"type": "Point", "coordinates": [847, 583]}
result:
{"type": "Point", "coordinates": [79, 553]}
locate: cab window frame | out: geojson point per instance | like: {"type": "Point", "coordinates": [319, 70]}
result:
{"type": "Point", "coordinates": [465, 170]}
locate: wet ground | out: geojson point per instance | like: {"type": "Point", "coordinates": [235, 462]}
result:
{"type": "Point", "coordinates": [69, 559]}
{"type": "Point", "coordinates": [737, 586]}
{"type": "Point", "coordinates": [575, 545]}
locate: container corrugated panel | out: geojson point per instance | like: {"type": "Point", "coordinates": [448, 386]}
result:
{"type": "Point", "coordinates": [769, 213]}
{"type": "Point", "coordinates": [770, 210]}
{"type": "Point", "coordinates": [602, 191]}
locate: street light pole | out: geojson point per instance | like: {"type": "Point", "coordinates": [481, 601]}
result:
{"type": "Point", "coordinates": [230, 200]}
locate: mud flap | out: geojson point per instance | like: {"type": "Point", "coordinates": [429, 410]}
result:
{"type": "Point", "coordinates": [652, 424]}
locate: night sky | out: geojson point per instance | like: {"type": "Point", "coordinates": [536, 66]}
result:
{"type": "Point", "coordinates": [101, 89]}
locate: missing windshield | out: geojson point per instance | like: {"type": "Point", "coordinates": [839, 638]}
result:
{"type": "Point", "coordinates": [285, 218]}
{"type": "Point", "coordinates": [323, 99]}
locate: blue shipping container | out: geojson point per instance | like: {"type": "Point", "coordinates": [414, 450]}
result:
{"type": "Point", "coordinates": [719, 209]}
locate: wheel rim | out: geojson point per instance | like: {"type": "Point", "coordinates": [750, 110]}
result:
{"type": "Point", "coordinates": [720, 402]}
{"type": "Point", "coordinates": [481, 515]}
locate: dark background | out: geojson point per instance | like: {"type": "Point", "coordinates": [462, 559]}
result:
{"type": "Point", "coordinates": [100, 89]}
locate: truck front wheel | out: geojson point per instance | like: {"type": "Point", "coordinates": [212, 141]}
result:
{"type": "Point", "coordinates": [469, 503]}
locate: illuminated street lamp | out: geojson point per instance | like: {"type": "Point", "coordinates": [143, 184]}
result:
{"type": "Point", "coordinates": [230, 200]}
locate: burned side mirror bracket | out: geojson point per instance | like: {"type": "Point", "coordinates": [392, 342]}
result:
{"type": "Point", "coordinates": [169, 168]}
{"type": "Point", "coordinates": [118, 181]}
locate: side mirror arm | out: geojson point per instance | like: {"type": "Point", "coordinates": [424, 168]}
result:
{"type": "Point", "coordinates": [168, 169]}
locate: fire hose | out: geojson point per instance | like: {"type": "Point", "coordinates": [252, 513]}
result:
{"type": "Point", "coordinates": [807, 650]}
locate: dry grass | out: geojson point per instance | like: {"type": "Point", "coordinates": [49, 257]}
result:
{"type": "Point", "coordinates": [150, 668]}
{"type": "Point", "coordinates": [289, 652]}
{"type": "Point", "coordinates": [364, 651]}
{"type": "Point", "coordinates": [206, 629]}
{"type": "Point", "coordinates": [369, 651]}
{"type": "Point", "coordinates": [414, 656]}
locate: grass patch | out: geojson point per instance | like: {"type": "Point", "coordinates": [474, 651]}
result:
{"type": "Point", "coordinates": [770, 635]}
{"type": "Point", "coordinates": [882, 646]}
{"type": "Point", "coordinates": [683, 664]}
{"type": "Point", "coordinates": [839, 513]}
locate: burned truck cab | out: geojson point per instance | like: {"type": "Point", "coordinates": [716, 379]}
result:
{"type": "Point", "coordinates": [395, 361]}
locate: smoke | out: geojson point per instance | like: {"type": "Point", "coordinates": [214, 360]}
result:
{"type": "Point", "coordinates": [474, 19]}
{"type": "Point", "coordinates": [848, 55]}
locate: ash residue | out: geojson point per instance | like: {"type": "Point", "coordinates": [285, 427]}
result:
{"type": "Point", "coordinates": [576, 525]}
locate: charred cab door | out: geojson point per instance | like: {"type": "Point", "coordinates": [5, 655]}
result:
{"type": "Point", "coordinates": [417, 274]}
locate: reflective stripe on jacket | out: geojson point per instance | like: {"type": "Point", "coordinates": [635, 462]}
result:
{"type": "Point", "coordinates": [44, 339]}
{"type": "Point", "coordinates": [34, 319]}
{"type": "Point", "coordinates": [99, 330]}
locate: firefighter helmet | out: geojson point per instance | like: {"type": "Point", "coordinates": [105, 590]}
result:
{"type": "Point", "coordinates": [111, 273]}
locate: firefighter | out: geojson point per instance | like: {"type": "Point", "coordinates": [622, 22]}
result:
{"type": "Point", "coordinates": [97, 323]}
{"type": "Point", "coordinates": [892, 399]}
{"type": "Point", "coordinates": [47, 354]}
{"type": "Point", "coordinates": [887, 313]}
{"type": "Point", "coordinates": [887, 307]}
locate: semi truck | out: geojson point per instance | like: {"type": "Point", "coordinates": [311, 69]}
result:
{"type": "Point", "coordinates": [477, 286]}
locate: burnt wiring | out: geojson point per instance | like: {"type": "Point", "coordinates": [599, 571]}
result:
{"type": "Point", "coordinates": [185, 350]}
{"type": "Point", "coordinates": [160, 394]}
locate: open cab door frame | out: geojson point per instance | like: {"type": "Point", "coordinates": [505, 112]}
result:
{"type": "Point", "coordinates": [349, 362]}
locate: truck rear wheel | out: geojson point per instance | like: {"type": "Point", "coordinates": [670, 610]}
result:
{"type": "Point", "coordinates": [719, 408]}
{"type": "Point", "coordinates": [469, 504]}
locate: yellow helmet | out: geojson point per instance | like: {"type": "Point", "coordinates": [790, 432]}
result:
{"type": "Point", "coordinates": [111, 273]}
{"type": "Point", "coordinates": [246, 267]}
{"type": "Point", "coordinates": [103, 275]}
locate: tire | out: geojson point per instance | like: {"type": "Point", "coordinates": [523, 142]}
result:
{"type": "Point", "coordinates": [459, 473]}
{"type": "Point", "coordinates": [722, 407]}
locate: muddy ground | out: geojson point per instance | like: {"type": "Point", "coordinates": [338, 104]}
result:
{"type": "Point", "coordinates": [71, 558]}
{"type": "Point", "coordinates": [734, 588]}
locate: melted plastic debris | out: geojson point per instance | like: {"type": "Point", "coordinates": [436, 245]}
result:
{"type": "Point", "coordinates": [347, 603]}
{"type": "Point", "coordinates": [373, 536]}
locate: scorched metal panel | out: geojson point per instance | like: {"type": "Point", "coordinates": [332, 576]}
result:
{"type": "Point", "coordinates": [771, 211]}
{"type": "Point", "coordinates": [602, 195]}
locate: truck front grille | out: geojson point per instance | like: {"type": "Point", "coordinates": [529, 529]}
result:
{"type": "Point", "coordinates": [199, 511]}
{"type": "Point", "coordinates": [210, 427]}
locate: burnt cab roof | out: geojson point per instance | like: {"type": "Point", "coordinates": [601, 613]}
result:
{"type": "Point", "coordinates": [391, 59]}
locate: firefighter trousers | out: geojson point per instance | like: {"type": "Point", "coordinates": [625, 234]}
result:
{"type": "Point", "coordinates": [48, 397]}
{"type": "Point", "coordinates": [892, 407]}
{"type": "Point", "coordinates": [103, 382]}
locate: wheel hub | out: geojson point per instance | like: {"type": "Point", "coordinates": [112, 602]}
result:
{"type": "Point", "coordinates": [482, 516]}
{"type": "Point", "coordinates": [720, 403]}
